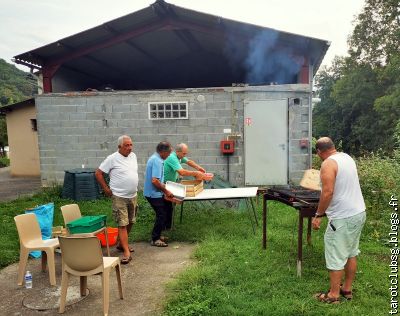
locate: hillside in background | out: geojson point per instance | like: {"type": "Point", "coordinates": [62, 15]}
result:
{"type": "Point", "coordinates": [15, 85]}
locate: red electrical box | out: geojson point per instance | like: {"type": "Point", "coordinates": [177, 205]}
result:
{"type": "Point", "coordinates": [227, 147]}
{"type": "Point", "coordinates": [303, 143]}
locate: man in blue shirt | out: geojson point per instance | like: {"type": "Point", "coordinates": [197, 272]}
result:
{"type": "Point", "coordinates": [154, 189]}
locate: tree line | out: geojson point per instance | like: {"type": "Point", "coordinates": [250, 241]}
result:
{"type": "Point", "coordinates": [15, 85]}
{"type": "Point", "coordinates": [360, 93]}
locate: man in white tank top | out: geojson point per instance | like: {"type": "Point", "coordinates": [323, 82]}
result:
{"type": "Point", "coordinates": [342, 202]}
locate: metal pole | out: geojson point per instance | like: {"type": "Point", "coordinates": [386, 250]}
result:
{"type": "Point", "coordinates": [227, 167]}
{"type": "Point", "coordinates": [264, 218]}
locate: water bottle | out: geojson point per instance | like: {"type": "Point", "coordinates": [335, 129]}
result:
{"type": "Point", "coordinates": [28, 280]}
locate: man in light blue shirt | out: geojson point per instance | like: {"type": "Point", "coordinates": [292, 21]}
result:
{"type": "Point", "coordinates": [154, 189]}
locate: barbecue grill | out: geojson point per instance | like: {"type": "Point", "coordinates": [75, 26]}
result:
{"type": "Point", "coordinates": [302, 199]}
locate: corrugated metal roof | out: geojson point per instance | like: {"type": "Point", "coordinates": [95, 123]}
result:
{"type": "Point", "coordinates": [165, 46]}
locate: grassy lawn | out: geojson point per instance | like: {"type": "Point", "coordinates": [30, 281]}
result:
{"type": "Point", "coordinates": [233, 275]}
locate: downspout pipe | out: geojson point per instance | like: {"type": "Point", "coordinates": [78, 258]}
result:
{"type": "Point", "coordinates": [310, 110]}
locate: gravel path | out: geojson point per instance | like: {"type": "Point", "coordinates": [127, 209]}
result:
{"type": "Point", "coordinates": [13, 187]}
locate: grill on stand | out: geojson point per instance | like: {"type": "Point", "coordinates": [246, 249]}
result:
{"type": "Point", "coordinates": [303, 200]}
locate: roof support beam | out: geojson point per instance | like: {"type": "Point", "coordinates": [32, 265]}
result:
{"type": "Point", "coordinates": [142, 51]}
{"type": "Point", "coordinates": [93, 59]}
{"type": "Point", "coordinates": [107, 43]}
{"type": "Point", "coordinates": [168, 23]}
{"type": "Point", "coordinates": [48, 73]}
{"type": "Point", "coordinates": [135, 47]}
{"type": "Point", "coordinates": [188, 39]}
{"type": "Point", "coordinates": [21, 62]}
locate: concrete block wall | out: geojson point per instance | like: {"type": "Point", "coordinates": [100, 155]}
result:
{"type": "Point", "coordinates": [82, 128]}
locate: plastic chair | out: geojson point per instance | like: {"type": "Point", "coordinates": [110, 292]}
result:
{"type": "Point", "coordinates": [82, 256]}
{"type": "Point", "coordinates": [72, 212]}
{"type": "Point", "coordinates": [30, 239]}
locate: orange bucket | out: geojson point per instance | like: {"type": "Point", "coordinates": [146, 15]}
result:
{"type": "Point", "coordinates": [112, 233]}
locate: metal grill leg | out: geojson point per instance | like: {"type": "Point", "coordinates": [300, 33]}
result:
{"type": "Point", "coordinates": [300, 245]}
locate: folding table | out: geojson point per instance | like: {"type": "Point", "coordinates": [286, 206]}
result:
{"type": "Point", "coordinates": [227, 194]}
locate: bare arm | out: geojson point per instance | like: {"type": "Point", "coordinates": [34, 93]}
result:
{"type": "Point", "coordinates": [194, 165]}
{"type": "Point", "coordinates": [100, 179]}
{"type": "Point", "coordinates": [184, 173]}
{"type": "Point", "coordinates": [161, 186]}
{"type": "Point", "coordinates": [328, 179]}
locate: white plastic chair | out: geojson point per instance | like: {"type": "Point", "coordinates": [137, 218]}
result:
{"type": "Point", "coordinates": [30, 239]}
{"type": "Point", "coordinates": [82, 256]}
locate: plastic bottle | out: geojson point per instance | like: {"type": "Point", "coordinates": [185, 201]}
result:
{"type": "Point", "coordinates": [28, 280]}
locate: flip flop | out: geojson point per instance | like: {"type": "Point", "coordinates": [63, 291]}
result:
{"type": "Point", "coordinates": [164, 239]}
{"type": "Point", "coordinates": [324, 298]}
{"type": "Point", "coordinates": [125, 260]}
{"type": "Point", "coordinates": [348, 295]}
{"type": "Point", "coordinates": [119, 248]}
{"type": "Point", "coordinates": [158, 243]}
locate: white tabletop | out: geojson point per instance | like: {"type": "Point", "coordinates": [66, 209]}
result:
{"type": "Point", "coordinates": [220, 194]}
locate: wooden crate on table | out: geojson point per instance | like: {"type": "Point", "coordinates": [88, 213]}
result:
{"type": "Point", "coordinates": [193, 187]}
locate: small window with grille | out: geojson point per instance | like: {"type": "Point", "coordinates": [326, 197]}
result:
{"type": "Point", "coordinates": [168, 110]}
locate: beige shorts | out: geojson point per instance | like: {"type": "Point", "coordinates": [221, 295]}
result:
{"type": "Point", "coordinates": [124, 210]}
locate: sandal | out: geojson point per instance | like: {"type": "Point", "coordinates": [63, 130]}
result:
{"type": "Point", "coordinates": [324, 298]}
{"type": "Point", "coordinates": [158, 243]}
{"type": "Point", "coordinates": [125, 260]}
{"type": "Point", "coordinates": [164, 238]}
{"type": "Point", "coordinates": [119, 248]}
{"type": "Point", "coordinates": [348, 295]}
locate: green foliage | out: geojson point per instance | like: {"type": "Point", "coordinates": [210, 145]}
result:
{"type": "Point", "coordinates": [379, 180]}
{"type": "Point", "coordinates": [360, 95]}
{"type": "Point", "coordinates": [360, 106]}
{"type": "Point", "coordinates": [354, 95]}
{"type": "Point", "coordinates": [15, 85]}
{"type": "Point", "coordinates": [3, 135]}
{"type": "Point", "coordinates": [377, 31]}
{"type": "Point", "coordinates": [4, 162]}
{"type": "Point", "coordinates": [327, 116]}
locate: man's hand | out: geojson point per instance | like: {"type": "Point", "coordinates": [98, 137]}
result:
{"type": "Point", "coordinates": [107, 191]}
{"type": "Point", "coordinates": [316, 223]}
{"type": "Point", "coordinates": [199, 175]}
{"type": "Point", "coordinates": [201, 169]}
{"type": "Point", "coordinates": [168, 194]}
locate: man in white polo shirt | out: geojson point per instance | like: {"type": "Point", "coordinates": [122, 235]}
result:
{"type": "Point", "coordinates": [122, 169]}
